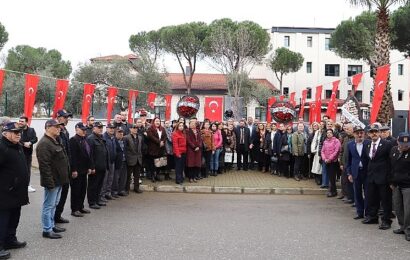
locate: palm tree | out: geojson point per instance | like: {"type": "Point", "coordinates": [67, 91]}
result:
{"type": "Point", "coordinates": [382, 48]}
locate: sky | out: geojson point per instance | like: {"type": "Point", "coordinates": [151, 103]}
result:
{"type": "Point", "coordinates": [85, 29]}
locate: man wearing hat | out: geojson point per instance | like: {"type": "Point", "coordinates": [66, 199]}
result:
{"type": "Point", "coordinates": [356, 170]}
{"type": "Point", "coordinates": [120, 174]}
{"type": "Point", "coordinates": [378, 174]}
{"type": "Point", "coordinates": [54, 169]}
{"type": "Point", "coordinates": [385, 134]}
{"type": "Point", "coordinates": [111, 142]}
{"type": "Point", "coordinates": [81, 166]}
{"type": "Point", "coordinates": [400, 161]}
{"type": "Point", "coordinates": [100, 160]}
{"type": "Point", "coordinates": [62, 117]}
{"type": "Point", "coordinates": [13, 187]}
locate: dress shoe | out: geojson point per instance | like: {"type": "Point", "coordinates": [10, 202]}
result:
{"type": "Point", "coordinates": [353, 205]}
{"type": "Point", "coordinates": [340, 197]}
{"type": "Point", "coordinates": [4, 254]}
{"type": "Point", "coordinates": [109, 197]}
{"type": "Point", "coordinates": [101, 203]}
{"type": "Point", "coordinates": [103, 199]}
{"type": "Point", "coordinates": [370, 221]}
{"type": "Point", "coordinates": [77, 214]}
{"type": "Point", "coordinates": [115, 196]}
{"type": "Point", "coordinates": [323, 187]}
{"type": "Point", "coordinates": [358, 217]}
{"type": "Point", "coordinates": [392, 215]}
{"type": "Point", "coordinates": [331, 194]}
{"type": "Point", "coordinates": [349, 201]}
{"type": "Point", "coordinates": [398, 231]}
{"type": "Point", "coordinates": [94, 206]}
{"type": "Point", "coordinates": [15, 244]}
{"type": "Point", "coordinates": [61, 220]}
{"type": "Point", "coordinates": [138, 191]}
{"type": "Point", "coordinates": [85, 211]}
{"type": "Point", "coordinates": [51, 235]}
{"type": "Point", "coordinates": [408, 237]}
{"type": "Point", "coordinates": [122, 194]}
{"type": "Point", "coordinates": [385, 226]}
{"type": "Point", "coordinates": [297, 178]}
{"type": "Point", "coordinates": [58, 229]}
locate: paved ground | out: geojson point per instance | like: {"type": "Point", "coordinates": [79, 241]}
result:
{"type": "Point", "coordinates": [208, 226]}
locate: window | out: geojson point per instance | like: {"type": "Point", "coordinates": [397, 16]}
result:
{"type": "Point", "coordinates": [308, 67]}
{"type": "Point", "coordinates": [160, 112]}
{"type": "Point", "coordinates": [309, 41]}
{"type": "Point", "coordinates": [358, 94]}
{"type": "Point", "coordinates": [244, 112]}
{"type": "Point", "coordinates": [286, 92]}
{"type": "Point", "coordinates": [400, 95]}
{"type": "Point", "coordinates": [309, 93]}
{"type": "Point", "coordinates": [353, 70]}
{"type": "Point", "coordinates": [260, 113]}
{"type": "Point", "coordinates": [332, 70]}
{"type": "Point", "coordinates": [400, 69]}
{"type": "Point", "coordinates": [286, 42]}
{"type": "Point", "coordinates": [327, 44]}
{"type": "Point", "coordinates": [328, 94]}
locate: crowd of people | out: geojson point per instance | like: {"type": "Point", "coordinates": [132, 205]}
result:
{"type": "Point", "coordinates": [99, 166]}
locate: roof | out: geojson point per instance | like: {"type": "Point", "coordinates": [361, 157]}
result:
{"type": "Point", "coordinates": [205, 81]}
{"type": "Point", "coordinates": [114, 57]}
{"type": "Point", "coordinates": [301, 30]}
{"type": "Point", "coordinates": [339, 102]}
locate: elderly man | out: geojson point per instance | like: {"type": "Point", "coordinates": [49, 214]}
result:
{"type": "Point", "coordinates": [13, 187]}
{"type": "Point", "coordinates": [134, 150]}
{"type": "Point", "coordinates": [54, 168]}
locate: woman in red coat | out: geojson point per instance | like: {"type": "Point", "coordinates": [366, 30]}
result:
{"type": "Point", "coordinates": [156, 137]}
{"type": "Point", "coordinates": [179, 148]}
{"type": "Point", "coordinates": [194, 151]}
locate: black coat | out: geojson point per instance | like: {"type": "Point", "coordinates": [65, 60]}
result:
{"type": "Point", "coordinates": [99, 152]}
{"type": "Point", "coordinates": [247, 137]}
{"type": "Point", "coordinates": [378, 169]}
{"type": "Point", "coordinates": [28, 135]}
{"type": "Point", "coordinates": [81, 161]}
{"type": "Point", "coordinates": [13, 175]}
{"type": "Point", "coordinates": [400, 162]}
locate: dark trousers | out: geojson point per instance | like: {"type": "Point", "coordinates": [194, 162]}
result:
{"type": "Point", "coordinates": [9, 220]}
{"type": "Point", "coordinates": [207, 155]}
{"type": "Point", "coordinates": [297, 168]}
{"type": "Point", "coordinates": [153, 171]}
{"type": "Point", "coordinates": [95, 182]}
{"type": "Point", "coordinates": [252, 159]}
{"type": "Point", "coordinates": [347, 186]}
{"type": "Point", "coordinates": [331, 169]}
{"type": "Point", "coordinates": [123, 177]}
{"type": "Point", "coordinates": [29, 159]}
{"type": "Point", "coordinates": [221, 161]}
{"type": "Point", "coordinates": [360, 193]}
{"type": "Point", "coordinates": [78, 191]}
{"type": "Point", "coordinates": [135, 171]}
{"type": "Point", "coordinates": [284, 167]}
{"type": "Point", "coordinates": [63, 199]}
{"type": "Point", "coordinates": [179, 168]}
{"type": "Point", "coordinates": [193, 172]}
{"type": "Point", "coordinates": [402, 207]}
{"type": "Point", "coordinates": [267, 162]}
{"type": "Point", "coordinates": [242, 153]}
{"type": "Point", "coordinates": [377, 193]}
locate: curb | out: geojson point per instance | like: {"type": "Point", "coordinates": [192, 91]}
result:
{"type": "Point", "coordinates": [231, 190]}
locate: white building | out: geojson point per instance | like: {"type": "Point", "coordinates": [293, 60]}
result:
{"type": "Point", "coordinates": [322, 66]}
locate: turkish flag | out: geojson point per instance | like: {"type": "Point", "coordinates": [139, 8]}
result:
{"type": "Point", "coordinates": [87, 101]}
{"type": "Point", "coordinates": [312, 112]}
{"type": "Point", "coordinates": [213, 108]}
{"type": "Point", "coordinates": [168, 107]}
{"type": "Point", "coordinates": [380, 83]}
{"type": "Point", "coordinates": [151, 99]}
{"type": "Point", "coordinates": [318, 106]}
{"type": "Point", "coordinates": [60, 95]}
{"type": "Point", "coordinates": [271, 101]}
{"type": "Point", "coordinates": [30, 95]}
{"type": "Point", "coordinates": [302, 105]}
{"type": "Point", "coordinates": [2, 73]}
{"type": "Point", "coordinates": [292, 98]}
{"type": "Point", "coordinates": [332, 106]}
{"type": "Point", "coordinates": [356, 79]}
{"type": "Point", "coordinates": [112, 93]}
{"type": "Point", "coordinates": [132, 97]}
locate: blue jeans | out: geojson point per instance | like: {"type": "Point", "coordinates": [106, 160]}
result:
{"type": "Point", "coordinates": [51, 199]}
{"type": "Point", "coordinates": [325, 177]}
{"type": "Point", "coordinates": [215, 159]}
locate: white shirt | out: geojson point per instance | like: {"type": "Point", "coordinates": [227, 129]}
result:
{"type": "Point", "coordinates": [359, 148]}
{"type": "Point", "coordinates": [159, 133]}
{"type": "Point", "coordinates": [272, 137]}
{"type": "Point", "coordinates": [371, 147]}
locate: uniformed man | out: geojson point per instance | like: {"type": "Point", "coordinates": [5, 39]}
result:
{"type": "Point", "coordinates": [400, 161]}
{"type": "Point", "coordinates": [385, 134]}
{"type": "Point", "coordinates": [13, 187]}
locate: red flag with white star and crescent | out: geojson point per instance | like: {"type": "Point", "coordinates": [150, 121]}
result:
{"type": "Point", "coordinates": [112, 93]}
{"type": "Point", "coordinates": [213, 108]}
{"type": "Point", "coordinates": [60, 95]}
{"type": "Point", "coordinates": [87, 101]}
{"type": "Point", "coordinates": [30, 95]}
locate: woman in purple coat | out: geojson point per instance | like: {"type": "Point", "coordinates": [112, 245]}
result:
{"type": "Point", "coordinates": [194, 151]}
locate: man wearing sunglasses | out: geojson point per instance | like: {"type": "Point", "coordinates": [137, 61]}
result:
{"type": "Point", "coordinates": [13, 187]}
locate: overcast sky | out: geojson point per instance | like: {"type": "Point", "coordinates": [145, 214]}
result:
{"type": "Point", "coordinates": [84, 29]}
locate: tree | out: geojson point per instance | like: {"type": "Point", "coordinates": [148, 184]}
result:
{"type": "Point", "coordinates": [284, 61]}
{"type": "Point", "coordinates": [186, 43]}
{"type": "Point", "coordinates": [4, 36]}
{"type": "Point", "coordinates": [400, 29]}
{"type": "Point", "coordinates": [147, 44]}
{"type": "Point", "coordinates": [234, 48]}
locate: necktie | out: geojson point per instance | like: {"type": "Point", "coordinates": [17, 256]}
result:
{"type": "Point", "coordinates": [374, 150]}
{"type": "Point", "coordinates": [242, 137]}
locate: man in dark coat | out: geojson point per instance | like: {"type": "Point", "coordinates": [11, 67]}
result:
{"type": "Point", "coordinates": [81, 167]}
{"type": "Point", "coordinates": [100, 160]}
{"type": "Point", "coordinates": [13, 187]}
{"type": "Point", "coordinates": [54, 170]}
{"type": "Point", "coordinates": [89, 125]}
{"type": "Point", "coordinates": [111, 142]}
{"type": "Point", "coordinates": [378, 176]}
{"type": "Point", "coordinates": [385, 134]}
{"type": "Point", "coordinates": [28, 139]}
{"type": "Point", "coordinates": [134, 145]}
{"type": "Point", "coordinates": [243, 138]}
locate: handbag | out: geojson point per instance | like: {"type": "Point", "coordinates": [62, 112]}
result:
{"type": "Point", "coordinates": [160, 162]}
{"type": "Point", "coordinates": [284, 148]}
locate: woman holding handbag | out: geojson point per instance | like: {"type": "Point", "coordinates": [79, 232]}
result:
{"type": "Point", "coordinates": [156, 137]}
{"type": "Point", "coordinates": [194, 151]}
